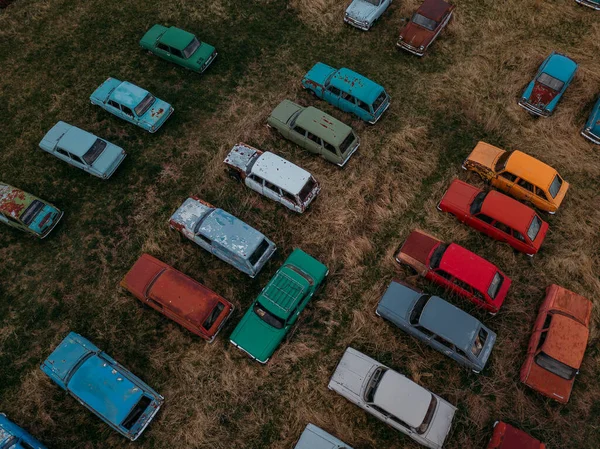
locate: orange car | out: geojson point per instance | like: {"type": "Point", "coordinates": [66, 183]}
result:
{"type": "Point", "coordinates": [519, 175]}
{"type": "Point", "coordinates": [556, 348]}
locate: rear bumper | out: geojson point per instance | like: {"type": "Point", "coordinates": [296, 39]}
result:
{"type": "Point", "coordinates": [47, 231]}
{"type": "Point", "coordinates": [389, 101]}
{"type": "Point", "coordinates": [533, 109]}
{"type": "Point", "coordinates": [591, 137]}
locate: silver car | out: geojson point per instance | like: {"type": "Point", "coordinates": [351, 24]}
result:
{"type": "Point", "coordinates": [394, 399]}
{"type": "Point", "coordinates": [316, 438]}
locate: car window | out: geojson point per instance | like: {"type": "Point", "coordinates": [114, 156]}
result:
{"type": "Point", "coordinates": [76, 158]}
{"type": "Point", "coordinates": [334, 90]}
{"type": "Point", "coordinates": [374, 383]}
{"type": "Point", "coordinates": [329, 147]}
{"type": "Point", "coordinates": [551, 82]}
{"type": "Point", "coordinates": [307, 189]}
{"type": "Point", "coordinates": [555, 186]}
{"type": "Point", "coordinates": [379, 101]}
{"type": "Point", "coordinates": [204, 239]}
{"type": "Point", "coordinates": [525, 184]}
{"type": "Point", "coordinates": [31, 212]}
{"type": "Point", "coordinates": [494, 287]}
{"type": "Point", "coordinates": [267, 316]}
{"type": "Point", "coordinates": [417, 309]}
{"type": "Point", "coordinates": [534, 228]}
{"type": "Point", "coordinates": [502, 227]}
{"type": "Point", "coordinates": [272, 187]}
{"type": "Point", "coordinates": [436, 257]}
{"type": "Point", "coordinates": [479, 342]}
{"type": "Point", "coordinates": [501, 162]}
{"type": "Point", "coordinates": [300, 130]}
{"type": "Point", "coordinates": [345, 145]}
{"type": "Point", "coordinates": [425, 22]}
{"type": "Point", "coordinates": [346, 96]}
{"type": "Point", "coordinates": [555, 366]}
{"type": "Point", "coordinates": [214, 314]}
{"type": "Point", "coordinates": [258, 252]}
{"type": "Point", "coordinates": [144, 105]}
{"type": "Point", "coordinates": [314, 138]}
{"type": "Point", "coordinates": [428, 416]}
{"type": "Point", "coordinates": [443, 274]}
{"type": "Point", "coordinates": [127, 110]}
{"type": "Point", "coordinates": [191, 48]}
{"type": "Point", "coordinates": [398, 420]}
{"type": "Point", "coordinates": [176, 52]}
{"type": "Point", "coordinates": [288, 196]}
{"type": "Point", "coordinates": [114, 104]}
{"type": "Point", "coordinates": [25, 445]}
{"type": "Point", "coordinates": [462, 353]}
{"type": "Point", "coordinates": [443, 341]}
{"type": "Point", "coordinates": [61, 151]}
{"type": "Point", "coordinates": [256, 178]}
{"type": "Point", "coordinates": [154, 303]}
{"type": "Point", "coordinates": [424, 330]}
{"type": "Point", "coordinates": [518, 235]}
{"type": "Point", "coordinates": [162, 47]}
{"type": "Point", "coordinates": [477, 202]}
{"type": "Point", "coordinates": [539, 192]}
{"type": "Point", "coordinates": [508, 176]}
{"type": "Point", "coordinates": [136, 412]}
{"type": "Point", "coordinates": [485, 218]}
{"type": "Point", "coordinates": [463, 285]}
{"type": "Point", "coordinates": [94, 152]}
{"type": "Point", "coordinates": [374, 2]}
{"type": "Point", "coordinates": [363, 105]}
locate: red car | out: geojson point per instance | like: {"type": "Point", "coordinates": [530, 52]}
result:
{"type": "Point", "coordinates": [496, 215]}
{"type": "Point", "coordinates": [424, 26]}
{"type": "Point", "coordinates": [508, 437]}
{"type": "Point", "coordinates": [556, 348]}
{"type": "Point", "coordinates": [177, 296]}
{"type": "Point", "coordinates": [456, 268]}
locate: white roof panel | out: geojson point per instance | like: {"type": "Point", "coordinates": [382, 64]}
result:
{"type": "Point", "coordinates": [282, 173]}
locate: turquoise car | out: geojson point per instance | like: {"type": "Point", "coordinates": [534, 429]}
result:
{"type": "Point", "coordinates": [591, 130]}
{"type": "Point", "coordinates": [83, 150]}
{"type": "Point", "coordinates": [132, 103]}
{"type": "Point", "coordinates": [14, 437]}
{"type": "Point", "coordinates": [347, 90]}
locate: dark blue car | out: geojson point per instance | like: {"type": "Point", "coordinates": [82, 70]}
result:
{"type": "Point", "coordinates": [13, 437]}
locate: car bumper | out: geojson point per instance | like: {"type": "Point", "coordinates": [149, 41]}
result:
{"type": "Point", "coordinates": [365, 26]}
{"type": "Point", "coordinates": [409, 48]}
{"type": "Point", "coordinates": [385, 108]}
{"type": "Point", "coordinates": [590, 136]}
{"type": "Point", "coordinates": [251, 356]}
{"type": "Point", "coordinates": [208, 62]}
{"type": "Point", "coordinates": [349, 155]}
{"type": "Point", "coordinates": [589, 4]}
{"type": "Point", "coordinates": [533, 109]}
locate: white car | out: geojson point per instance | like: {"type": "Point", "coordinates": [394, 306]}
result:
{"type": "Point", "coordinates": [273, 176]}
{"type": "Point", "coordinates": [362, 14]}
{"type": "Point", "coordinates": [393, 398]}
{"type": "Point", "coordinates": [315, 438]}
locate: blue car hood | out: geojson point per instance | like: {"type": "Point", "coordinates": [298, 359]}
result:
{"type": "Point", "coordinates": [44, 219]}
{"type": "Point", "coordinates": [109, 159]}
{"type": "Point", "coordinates": [361, 10]}
{"type": "Point", "coordinates": [157, 113]}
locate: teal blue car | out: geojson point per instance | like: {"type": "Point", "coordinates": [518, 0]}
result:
{"type": "Point", "coordinates": [132, 103]}
{"type": "Point", "coordinates": [591, 130]}
{"type": "Point", "coordinates": [347, 90]}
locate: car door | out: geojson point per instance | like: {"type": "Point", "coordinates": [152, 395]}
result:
{"type": "Point", "coordinates": [504, 181]}
{"type": "Point", "coordinates": [502, 232]}
{"type": "Point", "coordinates": [255, 182]}
{"type": "Point", "coordinates": [347, 102]}
{"type": "Point", "coordinates": [332, 95]}
{"type": "Point", "coordinates": [522, 189]}
{"type": "Point", "coordinates": [272, 191]}
{"type": "Point", "coordinates": [76, 161]}
{"type": "Point", "coordinates": [314, 144]}
{"type": "Point", "coordinates": [114, 107]}
{"type": "Point", "coordinates": [298, 135]}
{"type": "Point", "coordinates": [128, 114]}
{"type": "Point", "coordinates": [163, 51]}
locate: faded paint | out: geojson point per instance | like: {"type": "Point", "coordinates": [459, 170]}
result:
{"type": "Point", "coordinates": [14, 201]}
{"type": "Point", "coordinates": [280, 172]}
{"type": "Point", "coordinates": [241, 158]}
{"type": "Point", "coordinates": [415, 38]}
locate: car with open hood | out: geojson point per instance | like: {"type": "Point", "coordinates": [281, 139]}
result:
{"type": "Point", "coordinates": [550, 83]}
{"type": "Point", "coordinates": [456, 268]}
{"type": "Point", "coordinates": [83, 150]}
{"type": "Point", "coordinates": [424, 26]}
{"type": "Point", "coordinates": [14, 437]}
{"type": "Point", "coordinates": [506, 436]}
{"type": "Point", "coordinates": [315, 438]}
{"type": "Point", "coordinates": [518, 174]}
{"type": "Point", "coordinates": [363, 14]}
{"type": "Point", "coordinates": [591, 130]}
{"type": "Point", "coordinates": [132, 103]}
{"type": "Point", "coordinates": [394, 399]}
{"type": "Point", "coordinates": [103, 386]}
{"type": "Point", "coordinates": [276, 309]}
{"type": "Point", "coordinates": [496, 215]}
{"type": "Point", "coordinates": [222, 234]}
{"type": "Point", "coordinates": [594, 4]}
{"type": "Point", "coordinates": [557, 345]}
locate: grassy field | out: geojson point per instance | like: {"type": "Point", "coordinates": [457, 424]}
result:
{"type": "Point", "coordinates": [54, 53]}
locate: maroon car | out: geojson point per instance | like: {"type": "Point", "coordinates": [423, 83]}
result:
{"type": "Point", "coordinates": [424, 26]}
{"type": "Point", "coordinates": [508, 437]}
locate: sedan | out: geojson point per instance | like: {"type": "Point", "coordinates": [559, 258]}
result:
{"type": "Point", "coordinates": [363, 14]}
{"type": "Point", "coordinates": [424, 26]}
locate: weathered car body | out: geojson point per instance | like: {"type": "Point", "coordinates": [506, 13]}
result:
{"type": "Point", "coordinates": [177, 296]}
{"type": "Point", "coordinates": [14, 437]}
{"type": "Point", "coordinates": [439, 324]}
{"type": "Point", "coordinates": [102, 385]}
{"type": "Point", "coordinates": [496, 215]}
{"type": "Point", "coordinates": [547, 88]}
{"type": "Point", "coordinates": [178, 46]}
{"type": "Point", "coordinates": [132, 103]}
{"type": "Point", "coordinates": [424, 26]}
{"type": "Point", "coordinates": [26, 212]}
{"type": "Point", "coordinates": [455, 268]}
{"type": "Point", "coordinates": [347, 90]}
{"type": "Point", "coordinates": [506, 436]}
{"type": "Point", "coordinates": [222, 234]}
{"type": "Point", "coordinates": [591, 130]}
{"type": "Point", "coordinates": [316, 438]}
{"type": "Point", "coordinates": [363, 14]}
{"type": "Point", "coordinates": [273, 177]}
{"type": "Point", "coordinates": [518, 174]}
{"type": "Point", "coordinates": [83, 150]}
{"type": "Point", "coordinates": [315, 131]}
{"type": "Point", "coordinates": [557, 345]}
{"type": "Point", "coordinates": [394, 399]}
{"type": "Point", "coordinates": [594, 4]}
{"type": "Point", "coordinates": [277, 307]}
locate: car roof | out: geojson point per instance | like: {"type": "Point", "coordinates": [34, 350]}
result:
{"type": "Point", "coordinates": [323, 125]}
{"type": "Point", "coordinates": [283, 291]}
{"type": "Point", "coordinates": [315, 438]}
{"type": "Point", "coordinates": [14, 201]}
{"type": "Point", "coordinates": [176, 38]}
{"type": "Point", "coordinates": [566, 340]}
{"type": "Point", "coordinates": [280, 172]}
{"type": "Point", "coordinates": [357, 85]}
{"type": "Point", "coordinates": [128, 94]}
{"type": "Point", "coordinates": [530, 169]}
{"type": "Point", "coordinates": [433, 9]}
{"type": "Point", "coordinates": [231, 233]}
{"type": "Point", "coordinates": [560, 67]}
{"type": "Point", "coordinates": [507, 210]}
{"type": "Point", "coordinates": [468, 267]}
{"type": "Point", "coordinates": [77, 141]}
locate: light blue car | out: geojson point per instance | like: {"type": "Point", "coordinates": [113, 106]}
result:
{"type": "Point", "coordinates": [591, 130]}
{"type": "Point", "coordinates": [83, 150]}
{"type": "Point", "coordinates": [363, 13]}
{"type": "Point", "coordinates": [13, 437]}
{"type": "Point", "coordinates": [132, 103]}
{"type": "Point", "coordinates": [315, 438]}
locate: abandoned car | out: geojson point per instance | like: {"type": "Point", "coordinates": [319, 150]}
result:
{"type": "Point", "coordinates": [557, 345]}
{"type": "Point", "coordinates": [594, 4]}
{"type": "Point", "coordinates": [272, 176]}
{"type": "Point", "coordinates": [315, 438]}
{"type": "Point", "coordinates": [277, 307]}
{"type": "Point", "coordinates": [455, 268]}
{"type": "Point", "coordinates": [550, 83]}
{"type": "Point", "coordinates": [506, 436]}
{"type": "Point", "coordinates": [132, 103]}
{"type": "Point", "coordinates": [394, 399]}
{"type": "Point", "coordinates": [496, 215]}
{"type": "Point", "coordinates": [177, 296]}
{"type": "Point", "coordinates": [347, 90]}
{"type": "Point", "coordinates": [424, 26]}
{"type": "Point", "coordinates": [518, 174]}
{"type": "Point", "coordinates": [83, 150]}
{"type": "Point", "coordinates": [14, 437]}
{"type": "Point", "coordinates": [222, 234]}
{"type": "Point", "coordinates": [179, 47]}
{"type": "Point", "coordinates": [315, 131]}
{"type": "Point", "coordinates": [363, 14]}
{"type": "Point", "coordinates": [102, 385]}
{"type": "Point", "coordinates": [591, 130]}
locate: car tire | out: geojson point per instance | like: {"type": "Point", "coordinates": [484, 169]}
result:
{"type": "Point", "coordinates": [235, 175]}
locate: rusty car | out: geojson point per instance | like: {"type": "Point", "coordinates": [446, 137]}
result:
{"type": "Point", "coordinates": [363, 14]}
{"type": "Point", "coordinates": [424, 26]}
{"type": "Point", "coordinates": [14, 437]}
{"type": "Point", "coordinates": [506, 436]}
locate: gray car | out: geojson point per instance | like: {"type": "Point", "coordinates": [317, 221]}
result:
{"type": "Point", "coordinates": [439, 324]}
{"type": "Point", "coordinates": [316, 438]}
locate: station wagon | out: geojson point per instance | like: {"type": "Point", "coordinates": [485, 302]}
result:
{"type": "Point", "coordinates": [277, 307]}
{"type": "Point", "coordinates": [316, 438]}
{"type": "Point", "coordinates": [177, 296]}
{"type": "Point", "coordinates": [222, 234]}
{"type": "Point", "coordinates": [23, 211]}
{"type": "Point", "coordinates": [557, 345]}
{"type": "Point", "coordinates": [424, 26]}
{"type": "Point", "coordinates": [132, 103]}
{"type": "Point", "coordinates": [83, 150]}
{"type": "Point", "coordinates": [347, 90]}
{"type": "Point", "coordinates": [394, 399]}
{"type": "Point", "coordinates": [547, 88]}
{"type": "Point", "coordinates": [439, 324]}
{"type": "Point", "coordinates": [102, 385]}
{"type": "Point", "coordinates": [591, 130]}
{"type": "Point", "coordinates": [14, 437]}
{"type": "Point", "coordinates": [455, 268]}
{"type": "Point", "coordinates": [272, 176]}
{"type": "Point", "coordinates": [506, 436]}
{"type": "Point", "coordinates": [363, 14]}
{"type": "Point", "coordinates": [594, 4]}
{"type": "Point", "coordinates": [496, 215]}
{"type": "Point", "coordinates": [518, 174]}
{"type": "Point", "coordinates": [179, 47]}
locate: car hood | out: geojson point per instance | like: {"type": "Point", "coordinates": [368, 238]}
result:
{"type": "Point", "coordinates": [541, 95]}
{"type": "Point", "coordinates": [459, 197]}
{"type": "Point", "coordinates": [203, 52]}
{"type": "Point", "coordinates": [157, 112]}
{"type": "Point", "coordinates": [256, 337]}
{"type": "Point", "coordinates": [109, 159]}
{"type": "Point", "coordinates": [416, 36]}
{"type": "Point", "coordinates": [361, 10]}
{"type": "Point", "coordinates": [485, 155]}
{"type": "Point", "coordinates": [441, 423]}
{"type": "Point", "coordinates": [351, 372]}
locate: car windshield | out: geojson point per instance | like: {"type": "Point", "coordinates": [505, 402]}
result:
{"type": "Point", "coordinates": [495, 285]}
{"type": "Point", "coordinates": [374, 383]}
{"type": "Point", "coordinates": [479, 342]}
{"type": "Point", "coordinates": [191, 48]}
{"type": "Point", "coordinates": [555, 186]}
{"type": "Point", "coordinates": [534, 228]}
{"type": "Point", "coordinates": [136, 412]}
{"type": "Point", "coordinates": [554, 366]}
{"type": "Point", "coordinates": [257, 254]}
{"type": "Point", "coordinates": [31, 212]}
{"type": "Point", "coordinates": [379, 101]}
{"type": "Point", "coordinates": [216, 312]}
{"type": "Point", "coordinates": [424, 22]}
{"type": "Point", "coordinates": [428, 416]}
{"type": "Point", "coordinates": [144, 105]}
{"type": "Point", "coordinates": [373, 2]}
{"type": "Point", "coordinates": [502, 160]}
{"type": "Point", "coordinates": [477, 203]}
{"type": "Point", "coordinates": [307, 189]}
{"type": "Point", "coordinates": [267, 316]}
{"type": "Point", "coordinates": [94, 152]}
{"type": "Point", "coordinates": [345, 145]}
{"type": "Point", "coordinates": [417, 310]}
{"type": "Point", "coordinates": [436, 257]}
{"type": "Point", "coordinates": [550, 82]}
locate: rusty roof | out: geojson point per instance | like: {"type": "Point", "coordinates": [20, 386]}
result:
{"type": "Point", "coordinates": [14, 201]}
{"type": "Point", "coordinates": [434, 9]}
{"type": "Point", "coordinates": [566, 340]}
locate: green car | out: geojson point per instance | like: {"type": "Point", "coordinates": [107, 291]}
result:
{"type": "Point", "coordinates": [179, 46]}
{"type": "Point", "coordinates": [278, 306]}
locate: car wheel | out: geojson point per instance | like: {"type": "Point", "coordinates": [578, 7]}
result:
{"type": "Point", "coordinates": [235, 175]}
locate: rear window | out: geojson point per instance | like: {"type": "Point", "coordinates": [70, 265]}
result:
{"type": "Point", "coordinates": [555, 367]}
{"type": "Point", "coordinates": [477, 203]}
{"type": "Point", "coordinates": [501, 162]}
{"type": "Point", "coordinates": [534, 228]}
{"type": "Point", "coordinates": [550, 82]}
{"type": "Point", "coordinates": [417, 310]}
{"type": "Point", "coordinates": [379, 101]}
{"type": "Point", "coordinates": [307, 189]}
{"type": "Point", "coordinates": [374, 383]}
{"type": "Point", "coordinates": [94, 152]}
{"type": "Point", "coordinates": [144, 105]}
{"type": "Point", "coordinates": [257, 254]}
{"type": "Point", "coordinates": [267, 316]}
{"type": "Point", "coordinates": [555, 186]}
{"type": "Point", "coordinates": [428, 416]}
{"type": "Point", "coordinates": [495, 285]}
{"type": "Point", "coordinates": [424, 22]}
{"type": "Point", "coordinates": [347, 142]}
{"type": "Point", "coordinates": [135, 413]}
{"type": "Point", "coordinates": [30, 213]}
{"type": "Point", "coordinates": [216, 312]}
{"type": "Point", "coordinates": [479, 342]}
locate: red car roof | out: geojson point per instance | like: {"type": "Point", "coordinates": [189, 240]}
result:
{"type": "Point", "coordinates": [434, 9]}
{"type": "Point", "coordinates": [508, 437]}
{"type": "Point", "coordinates": [468, 267]}
{"type": "Point", "coordinates": [508, 211]}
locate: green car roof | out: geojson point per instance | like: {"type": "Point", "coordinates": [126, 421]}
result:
{"type": "Point", "coordinates": [284, 291]}
{"type": "Point", "coordinates": [323, 125]}
{"type": "Point", "coordinates": [176, 38]}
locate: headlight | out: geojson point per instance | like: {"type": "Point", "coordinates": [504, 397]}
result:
{"type": "Point", "coordinates": [421, 47]}
{"type": "Point", "coordinates": [588, 129]}
{"type": "Point", "coordinates": [401, 38]}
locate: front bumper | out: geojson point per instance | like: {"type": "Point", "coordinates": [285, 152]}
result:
{"type": "Point", "coordinates": [589, 136]}
{"type": "Point", "coordinates": [409, 48]}
{"type": "Point", "coordinates": [251, 356]}
{"type": "Point", "coordinates": [534, 109]}
{"type": "Point", "coordinates": [365, 26]}
{"type": "Point", "coordinates": [208, 62]}
{"type": "Point", "coordinates": [589, 4]}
